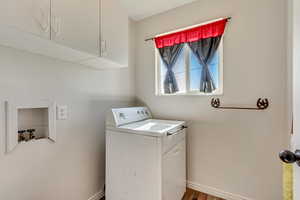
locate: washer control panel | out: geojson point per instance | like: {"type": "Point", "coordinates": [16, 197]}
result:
{"type": "Point", "coordinates": [129, 115]}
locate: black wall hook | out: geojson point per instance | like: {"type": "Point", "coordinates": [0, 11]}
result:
{"type": "Point", "coordinates": [261, 104]}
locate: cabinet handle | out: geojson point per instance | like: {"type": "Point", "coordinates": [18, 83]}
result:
{"type": "Point", "coordinates": [44, 22]}
{"type": "Point", "coordinates": [56, 26]}
{"type": "Point", "coordinates": [103, 47]}
{"type": "Point", "coordinates": [174, 132]}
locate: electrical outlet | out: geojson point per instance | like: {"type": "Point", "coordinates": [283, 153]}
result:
{"type": "Point", "coordinates": [62, 112]}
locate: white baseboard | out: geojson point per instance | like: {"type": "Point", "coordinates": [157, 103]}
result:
{"type": "Point", "coordinates": [215, 192]}
{"type": "Point", "coordinates": [97, 196]}
{"type": "Point", "coordinates": [195, 186]}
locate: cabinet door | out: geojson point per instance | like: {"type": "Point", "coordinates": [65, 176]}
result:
{"type": "Point", "coordinates": [32, 16]}
{"type": "Point", "coordinates": [174, 172]}
{"type": "Point", "coordinates": [76, 24]}
{"type": "Point", "coordinates": [114, 31]}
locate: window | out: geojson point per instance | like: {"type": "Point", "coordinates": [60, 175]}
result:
{"type": "Point", "coordinates": [188, 70]}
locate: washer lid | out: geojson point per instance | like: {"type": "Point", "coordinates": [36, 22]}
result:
{"type": "Point", "coordinates": [151, 127]}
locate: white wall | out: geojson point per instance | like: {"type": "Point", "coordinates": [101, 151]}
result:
{"type": "Point", "coordinates": [73, 167]}
{"type": "Point", "coordinates": [232, 151]}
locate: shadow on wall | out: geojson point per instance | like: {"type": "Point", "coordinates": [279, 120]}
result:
{"type": "Point", "coordinates": [99, 107]}
{"type": "Point", "coordinates": [79, 153]}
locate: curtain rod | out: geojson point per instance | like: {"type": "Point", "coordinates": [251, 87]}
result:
{"type": "Point", "coordinates": [150, 39]}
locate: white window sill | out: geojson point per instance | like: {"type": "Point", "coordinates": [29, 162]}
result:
{"type": "Point", "coordinates": [191, 94]}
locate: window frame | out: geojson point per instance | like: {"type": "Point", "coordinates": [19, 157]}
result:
{"type": "Point", "coordinates": [188, 92]}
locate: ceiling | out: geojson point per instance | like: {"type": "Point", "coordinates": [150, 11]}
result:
{"type": "Point", "coordinates": [140, 9]}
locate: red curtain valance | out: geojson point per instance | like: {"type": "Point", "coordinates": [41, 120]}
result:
{"type": "Point", "coordinates": [214, 29]}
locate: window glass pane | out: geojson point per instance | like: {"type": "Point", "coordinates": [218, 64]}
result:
{"type": "Point", "coordinates": [196, 70]}
{"type": "Point", "coordinates": [179, 71]}
{"type": "Point", "coordinates": [214, 69]}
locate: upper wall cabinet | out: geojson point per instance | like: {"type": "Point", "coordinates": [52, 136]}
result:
{"type": "Point", "coordinates": [76, 24]}
{"type": "Point", "coordinates": [32, 16]}
{"type": "Point", "coordinates": [114, 31]}
{"type": "Point", "coordinates": [94, 33]}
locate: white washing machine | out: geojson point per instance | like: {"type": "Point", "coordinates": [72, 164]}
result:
{"type": "Point", "coordinates": [145, 157]}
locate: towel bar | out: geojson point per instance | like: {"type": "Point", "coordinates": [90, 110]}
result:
{"type": "Point", "coordinates": [261, 104]}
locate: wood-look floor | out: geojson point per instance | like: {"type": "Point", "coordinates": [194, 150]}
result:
{"type": "Point", "coordinates": [194, 195]}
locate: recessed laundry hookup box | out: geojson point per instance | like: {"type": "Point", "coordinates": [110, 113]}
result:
{"type": "Point", "coordinates": [27, 122]}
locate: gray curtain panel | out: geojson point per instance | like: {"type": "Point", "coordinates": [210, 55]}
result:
{"type": "Point", "coordinates": [205, 50]}
{"type": "Point", "coordinates": [169, 55]}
